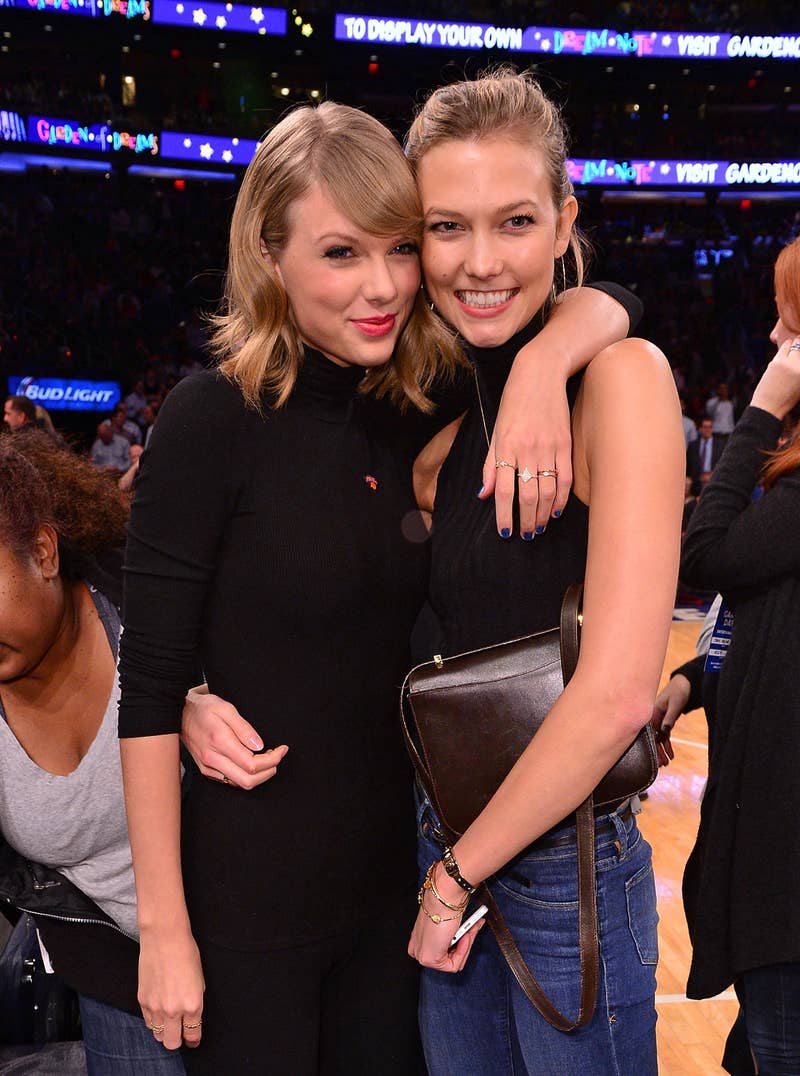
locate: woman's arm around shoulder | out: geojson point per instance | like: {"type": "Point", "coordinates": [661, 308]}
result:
{"type": "Point", "coordinates": [533, 423]}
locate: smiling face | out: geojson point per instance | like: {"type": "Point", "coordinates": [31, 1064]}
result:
{"type": "Point", "coordinates": [350, 293]}
{"type": "Point", "coordinates": [492, 235]}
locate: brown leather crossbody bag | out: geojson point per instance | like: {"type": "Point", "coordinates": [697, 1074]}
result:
{"type": "Point", "coordinates": [467, 719]}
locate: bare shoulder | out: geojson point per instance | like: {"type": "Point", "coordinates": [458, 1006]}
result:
{"type": "Point", "coordinates": [633, 362]}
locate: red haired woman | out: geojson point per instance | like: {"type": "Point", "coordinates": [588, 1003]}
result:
{"type": "Point", "coordinates": [747, 856]}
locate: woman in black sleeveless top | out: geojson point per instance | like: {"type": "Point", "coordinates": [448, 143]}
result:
{"type": "Point", "coordinates": [499, 212]}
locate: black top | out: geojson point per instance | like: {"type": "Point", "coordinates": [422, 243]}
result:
{"type": "Point", "coordinates": [260, 543]}
{"type": "Point", "coordinates": [747, 857]}
{"type": "Point", "coordinates": [485, 589]}
{"type": "Point", "coordinates": [287, 549]}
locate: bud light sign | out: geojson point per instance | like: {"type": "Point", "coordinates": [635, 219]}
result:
{"type": "Point", "coordinates": [58, 394]}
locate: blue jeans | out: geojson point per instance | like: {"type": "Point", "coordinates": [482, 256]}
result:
{"type": "Point", "coordinates": [480, 1021]}
{"type": "Point", "coordinates": [119, 1044]}
{"type": "Point", "coordinates": [771, 1003]}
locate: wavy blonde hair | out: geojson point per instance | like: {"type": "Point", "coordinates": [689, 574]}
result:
{"type": "Point", "coordinates": [364, 172]}
{"type": "Point", "coordinates": [506, 103]}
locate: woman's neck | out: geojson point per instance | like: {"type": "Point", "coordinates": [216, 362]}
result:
{"type": "Point", "coordinates": [494, 363]}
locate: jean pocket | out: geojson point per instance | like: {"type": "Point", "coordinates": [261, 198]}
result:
{"type": "Point", "coordinates": [640, 895]}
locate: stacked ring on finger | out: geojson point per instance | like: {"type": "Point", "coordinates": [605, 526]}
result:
{"type": "Point", "coordinates": [157, 1029]}
{"type": "Point", "coordinates": [193, 1027]}
{"type": "Point", "coordinates": [795, 346]}
{"type": "Point", "coordinates": [548, 472]}
{"type": "Point", "coordinates": [502, 463]}
{"type": "Point", "coordinates": [526, 475]}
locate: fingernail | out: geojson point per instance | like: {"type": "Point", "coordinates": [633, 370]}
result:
{"type": "Point", "coordinates": [527, 536]}
{"type": "Point", "coordinates": [480, 491]}
{"type": "Point", "coordinates": [505, 532]}
{"type": "Point", "coordinates": [540, 530]}
{"type": "Point", "coordinates": [255, 743]}
{"type": "Point", "coordinates": [557, 513]}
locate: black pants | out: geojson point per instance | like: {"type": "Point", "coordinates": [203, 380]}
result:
{"type": "Point", "coordinates": [345, 1006]}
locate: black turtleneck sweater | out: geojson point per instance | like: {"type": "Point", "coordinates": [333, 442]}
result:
{"type": "Point", "coordinates": [485, 589]}
{"type": "Point", "coordinates": [284, 550]}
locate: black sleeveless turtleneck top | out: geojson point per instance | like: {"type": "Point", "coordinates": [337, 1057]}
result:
{"type": "Point", "coordinates": [285, 551]}
{"type": "Point", "coordinates": [485, 589]}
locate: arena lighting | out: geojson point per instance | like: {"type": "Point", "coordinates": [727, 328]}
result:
{"type": "Point", "coordinates": [213, 15]}
{"type": "Point", "coordinates": [61, 394]}
{"type": "Point", "coordinates": [52, 131]}
{"type": "Point", "coordinates": [554, 41]}
{"type": "Point", "coordinates": [211, 149]}
{"type": "Point", "coordinates": [97, 9]}
{"type": "Point", "coordinates": [178, 175]}
{"type": "Point", "coordinates": [67, 164]}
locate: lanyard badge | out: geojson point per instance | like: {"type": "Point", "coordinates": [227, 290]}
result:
{"type": "Point", "coordinates": [720, 640]}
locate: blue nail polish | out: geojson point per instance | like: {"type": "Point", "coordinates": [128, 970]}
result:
{"type": "Point", "coordinates": [540, 530]}
{"type": "Point", "coordinates": [480, 491]}
{"type": "Point", "coordinates": [527, 536]}
{"type": "Point", "coordinates": [505, 532]}
{"type": "Point", "coordinates": [557, 513]}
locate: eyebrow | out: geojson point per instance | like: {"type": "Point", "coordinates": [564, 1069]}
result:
{"type": "Point", "coordinates": [528, 203]}
{"type": "Point", "coordinates": [339, 237]}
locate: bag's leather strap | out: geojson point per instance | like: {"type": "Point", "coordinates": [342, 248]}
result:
{"type": "Point", "coordinates": [587, 892]}
{"type": "Point", "coordinates": [587, 935]}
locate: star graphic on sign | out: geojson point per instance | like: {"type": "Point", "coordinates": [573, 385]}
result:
{"type": "Point", "coordinates": [187, 142]}
{"type": "Point", "coordinates": [222, 22]}
{"type": "Point", "coordinates": [545, 45]}
{"type": "Point", "coordinates": [206, 151]}
{"type": "Point", "coordinates": [666, 41]}
{"type": "Point", "coordinates": [665, 169]}
{"type": "Point", "coordinates": [256, 15]}
{"type": "Point", "coordinates": [261, 30]}
{"type": "Point", "coordinates": [179, 8]}
{"type": "Point", "coordinates": [199, 16]}
{"type": "Point", "coordinates": [227, 156]}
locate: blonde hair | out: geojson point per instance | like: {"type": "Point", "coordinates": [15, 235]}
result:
{"type": "Point", "coordinates": [365, 174]}
{"type": "Point", "coordinates": [501, 102]}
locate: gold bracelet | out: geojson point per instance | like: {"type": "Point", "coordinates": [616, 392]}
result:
{"type": "Point", "coordinates": [430, 885]}
{"type": "Point", "coordinates": [434, 918]}
{"type": "Point", "coordinates": [453, 907]}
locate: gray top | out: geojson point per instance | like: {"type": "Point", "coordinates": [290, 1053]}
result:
{"type": "Point", "coordinates": [75, 823]}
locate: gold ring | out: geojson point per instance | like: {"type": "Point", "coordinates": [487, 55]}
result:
{"type": "Point", "coordinates": [157, 1029]}
{"type": "Point", "coordinates": [225, 780]}
{"type": "Point", "coordinates": [526, 475]}
{"type": "Point", "coordinates": [549, 472]}
{"type": "Point", "coordinates": [795, 346]}
{"type": "Point", "coordinates": [193, 1027]}
{"type": "Point", "coordinates": [502, 463]}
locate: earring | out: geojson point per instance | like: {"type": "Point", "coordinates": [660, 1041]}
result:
{"type": "Point", "coordinates": [563, 276]}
